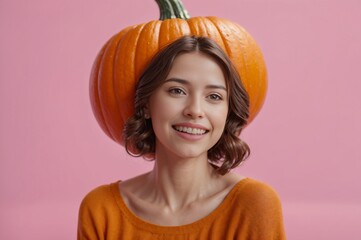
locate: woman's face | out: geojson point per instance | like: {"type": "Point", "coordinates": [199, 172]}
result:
{"type": "Point", "coordinates": [189, 109]}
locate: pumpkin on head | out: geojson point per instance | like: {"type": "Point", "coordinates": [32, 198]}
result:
{"type": "Point", "coordinates": [124, 57]}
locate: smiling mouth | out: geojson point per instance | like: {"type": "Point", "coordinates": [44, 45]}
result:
{"type": "Point", "coordinates": [194, 131]}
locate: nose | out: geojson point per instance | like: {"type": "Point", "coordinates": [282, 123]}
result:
{"type": "Point", "coordinates": [194, 108]}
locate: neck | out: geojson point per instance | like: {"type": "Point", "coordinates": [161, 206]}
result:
{"type": "Point", "coordinates": [178, 182]}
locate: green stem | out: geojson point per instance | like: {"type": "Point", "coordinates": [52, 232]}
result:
{"type": "Point", "coordinates": [172, 9]}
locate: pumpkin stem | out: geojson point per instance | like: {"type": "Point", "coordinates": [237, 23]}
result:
{"type": "Point", "coordinates": [172, 9]}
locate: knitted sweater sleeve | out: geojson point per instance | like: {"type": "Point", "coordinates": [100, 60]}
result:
{"type": "Point", "coordinates": [260, 213]}
{"type": "Point", "coordinates": [92, 217]}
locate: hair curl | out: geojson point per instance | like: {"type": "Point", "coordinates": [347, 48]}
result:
{"type": "Point", "coordinates": [230, 150]}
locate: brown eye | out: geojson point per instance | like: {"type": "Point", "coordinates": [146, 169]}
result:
{"type": "Point", "coordinates": [176, 91]}
{"type": "Point", "coordinates": [215, 97]}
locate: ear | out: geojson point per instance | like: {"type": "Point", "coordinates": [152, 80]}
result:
{"type": "Point", "coordinates": [146, 112]}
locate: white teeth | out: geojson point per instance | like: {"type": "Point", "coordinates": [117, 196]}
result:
{"type": "Point", "coordinates": [189, 130]}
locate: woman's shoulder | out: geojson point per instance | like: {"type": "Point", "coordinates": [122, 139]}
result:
{"type": "Point", "coordinates": [99, 196]}
{"type": "Point", "coordinates": [247, 187]}
{"type": "Point", "coordinates": [259, 204]}
{"type": "Point", "coordinates": [98, 211]}
{"type": "Point", "coordinates": [257, 196]}
{"type": "Point", "coordinates": [256, 188]}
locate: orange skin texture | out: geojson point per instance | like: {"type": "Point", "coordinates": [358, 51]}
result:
{"type": "Point", "coordinates": [124, 57]}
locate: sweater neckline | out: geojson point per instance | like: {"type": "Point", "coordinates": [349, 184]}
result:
{"type": "Point", "coordinates": [194, 226]}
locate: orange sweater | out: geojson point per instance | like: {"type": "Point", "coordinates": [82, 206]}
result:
{"type": "Point", "coordinates": [251, 211]}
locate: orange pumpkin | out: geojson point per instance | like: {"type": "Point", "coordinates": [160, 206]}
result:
{"type": "Point", "coordinates": [123, 58]}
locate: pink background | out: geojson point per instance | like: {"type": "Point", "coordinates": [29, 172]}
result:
{"type": "Point", "coordinates": [305, 142]}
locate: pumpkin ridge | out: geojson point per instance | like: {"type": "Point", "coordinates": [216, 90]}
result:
{"type": "Point", "coordinates": [243, 65]}
{"type": "Point", "coordinates": [145, 49]}
{"type": "Point", "coordinates": [177, 29]}
{"type": "Point", "coordinates": [260, 85]}
{"type": "Point", "coordinates": [225, 42]}
{"type": "Point", "coordinates": [118, 120]}
{"type": "Point", "coordinates": [156, 38]}
{"type": "Point", "coordinates": [96, 106]}
{"type": "Point", "coordinates": [103, 87]}
{"type": "Point", "coordinates": [207, 26]}
{"type": "Point", "coordinates": [259, 98]}
{"type": "Point", "coordinates": [191, 27]}
{"type": "Point", "coordinates": [170, 30]}
{"type": "Point", "coordinates": [128, 85]}
{"type": "Point", "coordinates": [111, 99]}
{"type": "Point", "coordinates": [213, 32]}
{"type": "Point", "coordinates": [183, 28]}
{"type": "Point", "coordinates": [138, 47]}
{"type": "Point", "coordinates": [163, 34]}
{"type": "Point", "coordinates": [119, 69]}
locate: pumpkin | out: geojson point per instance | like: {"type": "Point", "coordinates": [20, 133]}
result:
{"type": "Point", "coordinates": [123, 58]}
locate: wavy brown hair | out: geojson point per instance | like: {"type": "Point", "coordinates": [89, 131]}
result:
{"type": "Point", "coordinates": [230, 150]}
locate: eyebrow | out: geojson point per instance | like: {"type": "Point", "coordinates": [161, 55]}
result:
{"type": "Point", "coordinates": [185, 82]}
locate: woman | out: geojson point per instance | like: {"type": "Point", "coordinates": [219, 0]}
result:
{"type": "Point", "coordinates": [190, 108]}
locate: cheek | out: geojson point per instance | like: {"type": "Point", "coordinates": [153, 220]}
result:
{"type": "Point", "coordinates": [220, 115]}
{"type": "Point", "coordinates": [163, 110]}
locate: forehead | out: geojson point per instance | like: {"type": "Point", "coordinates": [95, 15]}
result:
{"type": "Point", "coordinates": [197, 66]}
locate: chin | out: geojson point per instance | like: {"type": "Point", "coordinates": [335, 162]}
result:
{"type": "Point", "coordinates": [192, 154]}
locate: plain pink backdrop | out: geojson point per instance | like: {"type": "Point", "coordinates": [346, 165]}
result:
{"type": "Point", "coordinates": [305, 142]}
